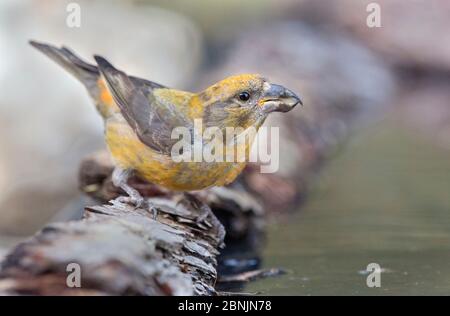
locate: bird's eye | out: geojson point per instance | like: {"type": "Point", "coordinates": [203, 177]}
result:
{"type": "Point", "coordinates": [244, 96]}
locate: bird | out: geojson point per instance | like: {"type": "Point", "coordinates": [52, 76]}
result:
{"type": "Point", "coordinates": [140, 115]}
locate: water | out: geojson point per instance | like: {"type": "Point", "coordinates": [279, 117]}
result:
{"type": "Point", "coordinates": [385, 198]}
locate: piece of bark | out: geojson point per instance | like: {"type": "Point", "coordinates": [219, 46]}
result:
{"type": "Point", "coordinates": [121, 251]}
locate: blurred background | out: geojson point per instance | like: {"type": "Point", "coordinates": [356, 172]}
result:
{"type": "Point", "coordinates": [377, 110]}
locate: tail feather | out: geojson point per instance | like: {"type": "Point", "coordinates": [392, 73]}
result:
{"type": "Point", "coordinates": [88, 74]}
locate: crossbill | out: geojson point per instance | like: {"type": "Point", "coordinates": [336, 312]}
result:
{"type": "Point", "coordinates": [140, 115]}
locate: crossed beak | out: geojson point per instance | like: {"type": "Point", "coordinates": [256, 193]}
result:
{"type": "Point", "coordinates": [277, 98]}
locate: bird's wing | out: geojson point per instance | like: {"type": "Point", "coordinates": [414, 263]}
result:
{"type": "Point", "coordinates": [152, 121]}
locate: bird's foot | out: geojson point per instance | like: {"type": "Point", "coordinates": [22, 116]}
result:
{"type": "Point", "coordinates": [205, 212]}
{"type": "Point", "coordinates": [203, 215]}
{"type": "Point", "coordinates": [139, 203]}
{"type": "Point", "coordinates": [137, 200]}
{"type": "Point", "coordinates": [120, 178]}
{"type": "Point", "coordinates": [153, 209]}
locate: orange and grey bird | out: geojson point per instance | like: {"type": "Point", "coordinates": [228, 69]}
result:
{"type": "Point", "coordinates": [140, 115]}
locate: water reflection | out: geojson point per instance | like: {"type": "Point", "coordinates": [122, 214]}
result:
{"type": "Point", "coordinates": [384, 199]}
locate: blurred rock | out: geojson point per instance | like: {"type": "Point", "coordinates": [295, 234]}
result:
{"type": "Point", "coordinates": [47, 122]}
{"type": "Point", "coordinates": [339, 80]}
{"type": "Point", "coordinates": [411, 32]}
{"type": "Point", "coordinates": [414, 37]}
{"type": "Point", "coordinates": [7, 243]}
{"type": "Point", "coordinates": [426, 110]}
{"type": "Point", "coordinates": [222, 19]}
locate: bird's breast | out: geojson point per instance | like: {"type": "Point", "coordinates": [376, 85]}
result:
{"type": "Point", "coordinates": [129, 152]}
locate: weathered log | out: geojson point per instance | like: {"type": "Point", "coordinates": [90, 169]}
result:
{"type": "Point", "coordinates": [120, 250]}
{"type": "Point", "coordinates": [125, 251]}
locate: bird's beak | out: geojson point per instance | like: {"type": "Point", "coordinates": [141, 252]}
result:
{"type": "Point", "coordinates": [277, 98]}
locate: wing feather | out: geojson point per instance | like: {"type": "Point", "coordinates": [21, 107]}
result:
{"type": "Point", "coordinates": [152, 121]}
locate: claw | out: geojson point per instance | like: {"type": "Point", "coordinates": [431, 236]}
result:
{"type": "Point", "coordinates": [120, 177]}
{"type": "Point", "coordinates": [138, 202]}
{"type": "Point", "coordinates": [203, 215]}
{"type": "Point", "coordinates": [153, 210]}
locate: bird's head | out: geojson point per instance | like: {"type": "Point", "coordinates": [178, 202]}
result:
{"type": "Point", "coordinates": [244, 100]}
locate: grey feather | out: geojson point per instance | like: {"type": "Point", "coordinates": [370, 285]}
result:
{"type": "Point", "coordinates": [152, 121]}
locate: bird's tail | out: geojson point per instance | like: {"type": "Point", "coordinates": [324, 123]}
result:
{"type": "Point", "coordinates": [80, 69]}
{"type": "Point", "coordinates": [87, 73]}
